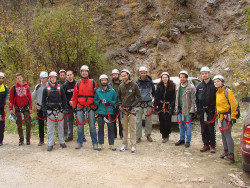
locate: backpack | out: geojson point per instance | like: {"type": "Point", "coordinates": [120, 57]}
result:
{"type": "Point", "coordinates": [49, 88]}
{"type": "Point", "coordinates": [38, 86]}
{"type": "Point", "coordinates": [238, 108]}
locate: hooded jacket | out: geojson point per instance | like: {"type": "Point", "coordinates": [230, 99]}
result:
{"type": "Point", "coordinates": [147, 88]}
{"type": "Point", "coordinates": [21, 96]}
{"type": "Point", "coordinates": [222, 105]}
{"type": "Point", "coordinates": [108, 95]}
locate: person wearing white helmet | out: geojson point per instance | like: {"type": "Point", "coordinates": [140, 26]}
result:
{"type": "Point", "coordinates": [147, 90]}
{"type": "Point", "coordinates": [115, 82]}
{"type": "Point", "coordinates": [185, 106]}
{"type": "Point", "coordinates": [83, 105]}
{"type": "Point", "coordinates": [105, 99]}
{"type": "Point", "coordinates": [164, 104]}
{"type": "Point", "coordinates": [20, 98]}
{"type": "Point", "coordinates": [62, 76]}
{"type": "Point", "coordinates": [3, 98]}
{"type": "Point", "coordinates": [54, 106]}
{"type": "Point", "coordinates": [37, 93]}
{"type": "Point", "coordinates": [227, 110]}
{"type": "Point", "coordinates": [205, 103]}
{"type": "Point", "coordinates": [128, 97]}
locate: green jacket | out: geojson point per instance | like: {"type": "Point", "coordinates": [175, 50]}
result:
{"type": "Point", "coordinates": [129, 94]}
{"type": "Point", "coordinates": [115, 86]}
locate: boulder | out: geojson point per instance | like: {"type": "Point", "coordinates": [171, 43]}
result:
{"type": "Point", "coordinates": [212, 3]}
{"type": "Point", "coordinates": [194, 29]}
{"type": "Point", "coordinates": [163, 46]}
{"type": "Point", "coordinates": [142, 50]}
{"type": "Point", "coordinates": [134, 47]}
{"type": "Point", "coordinates": [181, 26]}
{"type": "Point", "coordinates": [164, 39]}
{"type": "Point", "coordinates": [175, 34]}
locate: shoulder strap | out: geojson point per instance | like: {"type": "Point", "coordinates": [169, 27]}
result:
{"type": "Point", "coordinates": [59, 89]}
{"type": "Point", "coordinates": [93, 82]}
{"type": "Point", "coordinates": [38, 86]}
{"type": "Point", "coordinates": [227, 95]}
{"type": "Point", "coordinates": [48, 90]}
{"type": "Point", "coordinates": [78, 84]}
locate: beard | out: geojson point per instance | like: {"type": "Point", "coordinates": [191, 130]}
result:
{"type": "Point", "coordinates": [115, 79]}
{"type": "Point", "coordinates": [104, 85]}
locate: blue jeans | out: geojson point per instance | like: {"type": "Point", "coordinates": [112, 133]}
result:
{"type": "Point", "coordinates": [80, 128]}
{"type": "Point", "coordinates": [185, 127]}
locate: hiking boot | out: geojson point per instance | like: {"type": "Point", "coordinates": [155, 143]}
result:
{"type": "Point", "coordinates": [133, 149]}
{"type": "Point", "coordinates": [100, 147]}
{"type": "Point", "coordinates": [204, 148]}
{"type": "Point", "coordinates": [40, 143]}
{"type": "Point", "coordinates": [187, 145]}
{"type": "Point", "coordinates": [180, 142]}
{"type": "Point", "coordinates": [223, 155]}
{"type": "Point", "coordinates": [112, 147]}
{"type": "Point", "coordinates": [27, 142]}
{"type": "Point", "coordinates": [84, 140]}
{"type": "Point", "coordinates": [149, 138]}
{"type": "Point", "coordinates": [212, 150]}
{"type": "Point", "coordinates": [95, 147]}
{"type": "Point", "coordinates": [78, 146]}
{"type": "Point", "coordinates": [68, 139]}
{"type": "Point", "coordinates": [230, 157]}
{"type": "Point", "coordinates": [164, 140]}
{"type": "Point", "coordinates": [63, 145]}
{"type": "Point", "coordinates": [138, 140]}
{"type": "Point", "coordinates": [123, 148]}
{"type": "Point", "coordinates": [50, 148]}
{"type": "Point", "coordinates": [20, 143]}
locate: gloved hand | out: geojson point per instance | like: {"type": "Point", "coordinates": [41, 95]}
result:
{"type": "Point", "coordinates": [192, 115]}
{"type": "Point", "coordinates": [233, 120]}
{"type": "Point", "coordinates": [100, 102]}
{"type": "Point", "coordinates": [156, 108]}
{"type": "Point", "coordinates": [74, 110]}
{"type": "Point", "coordinates": [130, 107]}
{"type": "Point", "coordinates": [108, 104]}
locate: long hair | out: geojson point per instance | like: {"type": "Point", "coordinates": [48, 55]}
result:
{"type": "Point", "coordinates": [171, 84]}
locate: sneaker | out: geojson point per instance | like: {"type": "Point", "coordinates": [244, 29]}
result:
{"type": "Point", "coordinates": [223, 155]}
{"type": "Point", "coordinates": [123, 148]}
{"type": "Point", "coordinates": [138, 140]}
{"type": "Point", "coordinates": [149, 138]}
{"type": "Point", "coordinates": [95, 147]}
{"type": "Point", "coordinates": [68, 139]}
{"type": "Point", "coordinates": [78, 146]}
{"type": "Point", "coordinates": [27, 142]}
{"type": "Point", "coordinates": [112, 147]}
{"type": "Point", "coordinates": [40, 143]}
{"type": "Point", "coordinates": [164, 140]}
{"type": "Point", "coordinates": [187, 145]}
{"type": "Point", "coordinates": [63, 145]}
{"type": "Point", "coordinates": [84, 140]}
{"type": "Point", "coordinates": [100, 146]}
{"type": "Point", "coordinates": [180, 142]}
{"type": "Point", "coordinates": [133, 149]}
{"type": "Point", "coordinates": [50, 148]}
{"type": "Point", "coordinates": [230, 157]}
{"type": "Point", "coordinates": [204, 148]}
{"type": "Point", "coordinates": [212, 150]}
{"type": "Point", "coordinates": [1, 144]}
{"type": "Point", "coordinates": [121, 137]}
{"type": "Point", "coordinates": [20, 143]}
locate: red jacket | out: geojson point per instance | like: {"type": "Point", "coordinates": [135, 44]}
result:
{"type": "Point", "coordinates": [21, 96]}
{"type": "Point", "coordinates": [85, 95]}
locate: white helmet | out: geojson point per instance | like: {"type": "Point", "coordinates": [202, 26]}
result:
{"type": "Point", "coordinates": [205, 69]}
{"type": "Point", "coordinates": [103, 76]}
{"type": "Point", "coordinates": [53, 73]}
{"type": "Point", "coordinates": [84, 67]}
{"type": "Point", "coordinates": [125, 70]}
{"type": "Point", "coordinates": [219, 77]}
{"type": "Point", "coordinates": [1, 74]}
{"type": "Point", "coordinates": [62, 70]}
{"type": "Point", "coordinates": [143, 69]}
{"type": "Point", "coordinates": [183, 72]}
{"type": "Point", "coordinates": [115, 71]}
{"type": "Point", "coordinates": [12, 117]}
{"type": "Point", "coordinates": [43, 74]}
{"type": "Point", "coordinates": [165, 73]}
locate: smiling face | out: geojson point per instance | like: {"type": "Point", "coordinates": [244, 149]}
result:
{"type": "Point", "coordinates": [205, 75]}
{"type": "Point", "coordinates": [52, 79]}
{"type": "Point", "coordinates": [70, 76]}
{"type": "Point", "coordinates": [104, 81]}
{"type": "Point", "coordinates": [164, 78]}
{"type": "Point", "coordinates": [183, 78]}
{"type": "Point", "coordinates": [115, 76]}
{"type": "Point", "coordinates": [125, 76]}
{"type": "Point", "coordinates": [218, 83]}
{"type": "Point", "coordinates": [143, 75]}
{"type": "Point", "coordinates": [84, 74]}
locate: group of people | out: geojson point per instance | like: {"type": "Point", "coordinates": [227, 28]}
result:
{"type": "Point", "coordinates": [65, 100]}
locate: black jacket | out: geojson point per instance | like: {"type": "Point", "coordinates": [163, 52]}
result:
{"type": "Point", "coordinates": [164, 94]}
{"type": "Point", "coordinates": [206, 96]}
{"type": "Point", "coordinates": [55, 99]}
{"type": "Point", "coordinates": [69, 89]}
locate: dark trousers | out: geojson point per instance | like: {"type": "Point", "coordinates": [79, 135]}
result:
{"type": "Point", "coordinates": [208, 131]}
{"type": "Point", "coordinates": [101, 124]}
{"type": "Point", "coordinates": [2, 125]}
{"type": "Point", "coordinates": [165, 124]}
{"type": "Point", "coordinates": [19, 124]}
{"type": "Point", "coordinates": [41, 125]}
{"type": "Point", "coordinates": [116, 111]}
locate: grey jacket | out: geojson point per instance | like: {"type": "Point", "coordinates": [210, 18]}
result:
{"type": "Point", "coordinates": [38, 92]}
{"type": "Point", "coordinates": [188, 99]}
{"type": "Point", "coordinates": [147, 88]}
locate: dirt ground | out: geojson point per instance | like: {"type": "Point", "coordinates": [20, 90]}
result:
{"type": "Point", "coordinates": [153, 165]}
